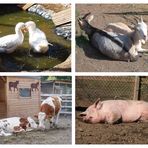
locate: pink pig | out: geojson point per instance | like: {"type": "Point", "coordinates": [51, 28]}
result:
{"type": "Point", "coordinates": [113, 111]}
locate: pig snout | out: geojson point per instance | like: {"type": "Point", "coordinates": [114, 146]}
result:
{"type": "Point", "coordinates": [85, 118]}
{"type": "Point", "coordinates": [82, 116]}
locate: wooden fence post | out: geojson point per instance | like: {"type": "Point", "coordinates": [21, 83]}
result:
{"type": "Point", "coordinates": [136, 88]}
{"type": "Point", "coordinates": [53, 87]}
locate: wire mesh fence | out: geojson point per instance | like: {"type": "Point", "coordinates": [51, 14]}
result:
{"type": "Point", "coordinates": [143, 88]}
{"type": "Point", "coordinates": [111, 87]}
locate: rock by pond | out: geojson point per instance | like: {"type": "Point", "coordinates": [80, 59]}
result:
{"type": "Point", "coordinates": [64, 31]}
{"type": "Point", "coordinates": [40, 10]}
{"type": "Point", "coordinates": [19, 60]}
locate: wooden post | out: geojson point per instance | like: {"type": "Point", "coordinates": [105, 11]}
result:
{"type": "Point", "coordinates": [136, 88]}
{"type": "Point", "coordinates": [62, 17]}
{"type": "Point", "coordinates": [25, 6]}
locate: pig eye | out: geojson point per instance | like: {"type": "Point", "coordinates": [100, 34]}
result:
{"type": "Point", "coordinates": [82, 114]}
{"type": "Point", "coordinates": [90, 117]}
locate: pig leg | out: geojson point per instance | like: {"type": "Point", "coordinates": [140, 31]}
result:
{"type": "Point", "coordinates": [113, 118]}
{"type": "Point", "coordinates": [144, 117]}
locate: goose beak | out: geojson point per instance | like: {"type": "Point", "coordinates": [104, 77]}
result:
{"type": "Point", "coordinates": [24, 30]}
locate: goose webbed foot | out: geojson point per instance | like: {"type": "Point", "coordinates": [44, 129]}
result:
{"type": "Point", "coordinates": [29, 53]}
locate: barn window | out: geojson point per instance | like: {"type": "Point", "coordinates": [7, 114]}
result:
{"type": "Point", "coordinates": [25, 92]}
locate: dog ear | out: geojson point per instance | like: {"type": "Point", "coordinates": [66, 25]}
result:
{"type": "Point", "coordinates": [23, 120]}
{"type": "Point", "coordinates": [36, 116]}
{"type": "Point", "coordinates": [48, 116]}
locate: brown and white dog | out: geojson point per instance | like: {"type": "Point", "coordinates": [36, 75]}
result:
{"type": "Point", "coordinates": [11, 125]}
{"type": "Point", "coordinates": [49, 112]}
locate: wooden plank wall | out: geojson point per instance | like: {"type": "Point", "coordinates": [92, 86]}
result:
{"type": "Point", "coordinates": [2, 99]}
{"type": "Point", "coordinates": [3, 110]}
{"type": "Point", "coordinates": [62, 17]}
{"type": "Point", "coordinates": [18, 106]}
{"type": "Point", "coordinates": [2, 90]}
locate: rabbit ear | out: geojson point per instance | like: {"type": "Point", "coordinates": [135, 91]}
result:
{"type": "Point", "coordinates": [87, 14]}
{"type": "Point", "coordinates": [141, 18]}
{"type": "Point", "coordinates": [137, 21]}
{"type": "Point", "coordinates": [81, 22]}
{"type": "Point", "coordinates": [90, 18]}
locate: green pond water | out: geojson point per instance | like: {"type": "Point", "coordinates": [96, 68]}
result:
{"type": "Point", "coordinates": [19, 60]}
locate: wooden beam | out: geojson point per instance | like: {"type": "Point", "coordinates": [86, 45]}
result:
{"type": "Point", "coordinates": [3, 78]}
{"type": "Point", "coordinates": [136, 88]}
{"type": "Point", "coordinates": [62, 17]}
{"type": "Point", "coordinates": [25, 6]}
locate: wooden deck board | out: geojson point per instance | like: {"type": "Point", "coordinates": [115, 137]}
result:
{"type": "Point", "coordinates": [25, 6]}
{"type": "Point", "coordinates": [62, 17]}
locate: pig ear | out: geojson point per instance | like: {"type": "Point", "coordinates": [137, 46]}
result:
{"type": "Point", "coordinates": [98, 104]}
{"type": "Point", "coordinates": [97, 101]}
{"type": "Point", "coordinates": [82, 114]}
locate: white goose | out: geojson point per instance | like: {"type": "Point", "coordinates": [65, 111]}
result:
{"type": "Point", "coordinates": [37, 38]}
{"type": "Point", "coordinates": [9, 43]}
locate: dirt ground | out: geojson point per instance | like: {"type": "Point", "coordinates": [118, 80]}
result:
{"type": "Point", "coordinates": [55, 7]}
{"type": "Point", "coordinates": [123, 133]}
{"type": "Point", "coordinates": [59, 135]}
{"type": "Point", "coordinates": [89, 59]}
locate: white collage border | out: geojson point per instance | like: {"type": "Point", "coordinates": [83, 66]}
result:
{"type": "Point", "coordinates": [73, 73]}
